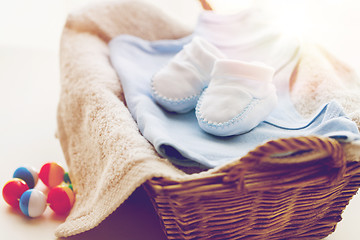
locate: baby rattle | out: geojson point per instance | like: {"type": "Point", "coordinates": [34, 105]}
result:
{"type": "Point", "coordinates": [19, 192]}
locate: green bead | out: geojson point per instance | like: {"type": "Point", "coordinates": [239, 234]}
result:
{"type": "Point", "coordinates": [67, 178]}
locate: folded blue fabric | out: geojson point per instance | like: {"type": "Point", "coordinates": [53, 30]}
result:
{"type": "Point", "coordinates": [179, 137]}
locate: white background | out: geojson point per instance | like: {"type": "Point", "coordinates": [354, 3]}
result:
{"type": "Point", "coordinates": [29, 88]}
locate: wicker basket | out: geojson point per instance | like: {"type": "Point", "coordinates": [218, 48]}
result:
{"type": "Point", "coordinates": [285, 189]}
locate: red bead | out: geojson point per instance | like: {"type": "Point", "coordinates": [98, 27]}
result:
{"type": "Point", "coordinates": [13, 190]}
{"type": "Point", "coordinates": [51, 174]}
{"type": "Point", "coordinates": [61, 199]}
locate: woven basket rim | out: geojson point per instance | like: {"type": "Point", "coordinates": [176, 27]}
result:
{"type": "Point", "coordinates": [282, 152]}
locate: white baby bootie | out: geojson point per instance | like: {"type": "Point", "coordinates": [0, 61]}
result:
{"type": "Point", "coordinates": [239, 97]}
{"type": "Point", "coordinates": [178, 86]}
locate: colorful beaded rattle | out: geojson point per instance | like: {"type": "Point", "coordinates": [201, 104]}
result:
{"type": "Point", "coordinates": [19, 192]}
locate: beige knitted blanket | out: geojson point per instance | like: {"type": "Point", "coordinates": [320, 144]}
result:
{"type": "Point", "coordinates": [106, 155]}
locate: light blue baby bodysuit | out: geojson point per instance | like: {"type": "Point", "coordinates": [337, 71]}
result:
{"type": "Point", "coordinates": [179, 137]}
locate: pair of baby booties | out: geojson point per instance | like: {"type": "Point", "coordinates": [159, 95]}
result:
{"type": "Point", "coordinates": [231, 97]}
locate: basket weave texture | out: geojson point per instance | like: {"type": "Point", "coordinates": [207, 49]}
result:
{"type": "Point", "coordinates": [285, 189]}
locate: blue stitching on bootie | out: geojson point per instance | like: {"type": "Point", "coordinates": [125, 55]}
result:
{"type": "Point", "coordinates": [188, 102]}
{"type": "Point", "coordinates": [157, 95]}
{"type": "Point", "coordinates": [230, 122]}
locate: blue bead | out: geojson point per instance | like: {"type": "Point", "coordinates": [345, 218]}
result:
{"type": "Point", "coordinates": [29, 175]}
{"type": "Point", "coordinates": [24, 202]}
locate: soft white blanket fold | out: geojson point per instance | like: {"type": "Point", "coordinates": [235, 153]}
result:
{"type": "Point", "coordinates": [321, 77]}
{"type": "Point", "coordinates": [106, 155]}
